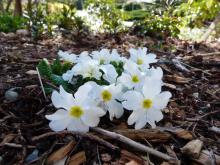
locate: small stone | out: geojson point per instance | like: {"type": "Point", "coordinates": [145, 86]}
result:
{"type": "Point", "coordinates": [192, 148]}
{"type": "Point", "coordinates": [22, 32]}
{"type": "Point", "coordinates": [196, 95]}
{"type": "Point", "coordinates": [11, 95]}
{"type": "Point", "coordinates": [31, 72]}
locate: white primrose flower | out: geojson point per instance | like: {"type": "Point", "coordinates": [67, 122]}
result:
{"type": "Point", "coordinates": [110, 73]}
{"type": "Point", "coordinates": [88, 68]}
{"type": "Point", "coordinates": [115, 56]}
{"type": "Point", "coordinates": [67, 56]}
{"type": "Point", "coordinates": [132, 77]}
{"type": "Point", "coordinates": [102, 56]}
{"type": "Point", "coordinates": [107, 97]}
{"type": "Point", "coordinates": [147, 104]}
{"type": "Point", "coordinates": [83, 57]}
{"type": "Point", "coordinates": [76, 113]}
{"type": "Point", "coordinates": [141, 58]}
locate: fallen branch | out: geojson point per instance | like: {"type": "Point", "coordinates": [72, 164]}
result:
{"type": "Point", "coordinates": [85, 135]}
{"type": "Point", "coordinates": [135, 145]}
{"type": "Point", "coordinates": [14, 145]}
{"type": "Point", "coordinates": [148, 134]}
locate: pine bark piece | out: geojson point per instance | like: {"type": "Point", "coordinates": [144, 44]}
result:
{"type": "Point", "coordinates": [205, 158]}
{"type": "Point", "coordinates": [77, 159]}
{"type": "Point", "coordinates": [60, 153]}
{"type": "Point", "coordinates": [192, 148]}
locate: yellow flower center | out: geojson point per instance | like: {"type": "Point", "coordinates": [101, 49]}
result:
{"type": "Point", "coordinates": [135, 79]}
{"type": "Point", "coordinates": [102, 61]}
{"type": "Point", "coordinates": [147, 103]}
{"type": "Point", "coordinates": [106, 95]}
{"type": "Point", "coordinates": [140, 61]}
{"type": "Point", "coordinates": [76, 111]}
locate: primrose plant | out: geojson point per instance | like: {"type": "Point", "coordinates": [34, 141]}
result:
{"type": "Point", "coordinates": [104, 83]}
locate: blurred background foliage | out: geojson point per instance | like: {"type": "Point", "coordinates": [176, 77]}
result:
{"type": "Point", "coordinates": [157, 18]}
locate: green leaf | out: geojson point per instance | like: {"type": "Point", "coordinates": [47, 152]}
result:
{"type": "Point", "coordinates": [209, 3]}
{"type": "Point", "coordinates": [57, 67]}
{"type": "Point", "coordinates": [58, 80]}
{"type": "Point", "coordinates": [44, 68]}
{"type": "Point", "coordinates": [66, 66]}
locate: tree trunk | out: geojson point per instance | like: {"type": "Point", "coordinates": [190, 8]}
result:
{"type": "Point", "coordinates": [18, 8]}
{"type": "Point", "coordinates": [8, 5]}
{"type": "Point", "coordinates": [1, 6]}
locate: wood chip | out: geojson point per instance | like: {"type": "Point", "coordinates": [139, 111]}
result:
{"type": "Point", "coordinates": [60, 154]}
{"type": "Point", "coordinates": [77, 159]}
{"type": "Point", "coordinates": [206, 159]}
{"type": "Point", "coordinates": [192, 148]}
{"type": "Point", "coordinates": [176, 79]}
{"type": "Point", "coordinates": [31, 72]}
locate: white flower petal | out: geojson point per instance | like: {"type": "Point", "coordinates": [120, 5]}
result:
{"type": "Point", "coordinates": [151, 88]}
{"type": "Point", "coordinates": [115, 109]}
{"type": "Point", "coordinates": [58, 115]}
{"type": "Point", "coordinates": [136, 116]}
{"type": "Point", "coordinates": [133, 100]}
{"type": "Point", "coordinates": [110, 73]}
{"type": "Point", "coordinates": [140, 123]}
{"type": "Point", "coordinates": [68, 97]}
{"type": "Point", "coordinates": [83, 91]}
{"type": "Point", "coordinates": [58, 101]}
{"type": "Point", "coordinates": [161, 100]}
{"type": "Point", "coordinates": [125, 79]}
{"type": "Point", "coordinates": [155, 115]}
{"type": "Point", "coordinates": [78, 126]}
{"type": "Point", "coordinates": [59, 125]}
{"type": "Point", "coordinates": [68, 75]}
{"type": "Point", "coordinates": [91, 120]}
{"type": "Point", "coordinates": [132, 68]}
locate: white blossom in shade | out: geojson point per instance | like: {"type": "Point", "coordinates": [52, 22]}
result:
{"type": "Point", "coordinates": [141, 58]}
{"type": "Point", "coordinates": [107, 97]}
{"type": "Point", "coordinates": [88, 69]}
{"type": "Point", "coordinates": [68, 76]}
{"type": "Point", "coordinates": [132, 77]}
{"type": "Point", "coordinates": [110, 73]}
{"type": "Point", "coordinates": [83, 57]}
{"type": "Point", "coordinates": [67, 56]}
{"type": "Point", "coordinates": [146, 105]}
{"type": "Point", "coordinates": [76, 113]}
{"type": "Point", "coordinates": [102, 56]}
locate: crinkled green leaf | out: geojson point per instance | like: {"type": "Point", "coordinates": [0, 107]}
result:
{"type": "Point", "coordinates": [57, 67]}
{"type": "Point", "coordinates": [44, 68]}
{"type": "Point", "coordinates": [58, 80]}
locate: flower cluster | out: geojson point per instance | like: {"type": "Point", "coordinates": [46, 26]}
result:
{"type": "Point", "coordinates": [112, 84]}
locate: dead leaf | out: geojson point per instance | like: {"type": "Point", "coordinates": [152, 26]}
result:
{"type": "Point", "coordinates": [61, 153]}
{"type": "Point", "coordinates": [8, 138]}
{"type": "Point", "coordinates": [77, 159]}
